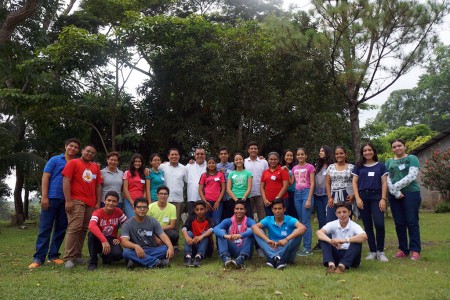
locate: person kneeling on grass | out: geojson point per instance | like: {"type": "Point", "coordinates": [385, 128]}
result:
{"type": "Point", "coordinates": [235, 237]}
{"type": "Point", "coordinates": [103, 228]}
{"type": "Point", "coordinates": [284, 239]}
{"type": "Point", "coordinates": [197, 231]}
{"type": "Point", "coordinates": [345, 245]}
{"type": "Point", "coordinates": [137, 239]}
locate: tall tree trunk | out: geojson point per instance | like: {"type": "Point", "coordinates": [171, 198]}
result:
{"type": "Point", "coordinates": [26, 203]}
{"type": "Point", "coordinates": [354, 125]}
{"type": "Point", "coordinates": [18, 203]}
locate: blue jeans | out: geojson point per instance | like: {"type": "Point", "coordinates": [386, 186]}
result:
{"type": "Point", "coordinates": [54, 218]}
{"type": "Point", "coordinates": [152, 255]}
{"type": "Point", "coordinates": [371, 215]}
{"type": "Point", "coordinates": [304, 214]}
{"type": "Point", "coordinates": [287, 253]}
{"type": "Point", "coordinates": [128, 209]}
{"type": "Point", "coordinates": [290, 205]}
{"type": "Point", "coordinates": [227, 247]}
{"type": "Point", "coordinates": [331, 212]}
{"type": "Point", "coordinates": [216, 215]}
{"type": "Point", "coordinates": [320, 205]}
{"type": "Point", "coordinates": [406, 218]}
{"type": "Point", "coordinates": [194, 249]}
{"type": "Point", "coordinates": [350, 258]}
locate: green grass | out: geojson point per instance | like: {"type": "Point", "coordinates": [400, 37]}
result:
{"type": "Point", "coordinates": [398, 279]}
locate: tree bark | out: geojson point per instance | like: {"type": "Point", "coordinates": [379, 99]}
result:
{"type": "Point", "coordinates": [26, 204]}
{"type": "Point", "coordinates": [18, 203]}
{"type": "Point", "coordinates": [354, 125]}
{"type": "Point", "coordinates": [14, 18]}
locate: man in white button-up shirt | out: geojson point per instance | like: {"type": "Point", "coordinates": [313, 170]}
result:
{"type": "Point", "coordinates": [194, 172]}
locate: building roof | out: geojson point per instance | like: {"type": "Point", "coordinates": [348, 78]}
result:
{"type": "Point", "coordinates": [431, 141]}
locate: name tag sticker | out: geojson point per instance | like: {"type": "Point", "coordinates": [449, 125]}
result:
{"type": "Point", "coordinates": [166, 219]}
{"type": "Point", "coordinates": [371, 174]}
{"type": "Point", "coordinates": [302, 170]}
{"type": "Point", "coordinates": [273, 177]}
{"type": "Point", "coordinates": [162, 178]}
{"type": "Point", "coordinates": [324, 173]}
{"type": "Point", "coordinates": [94, 176]}
{"type": "Point", "coordinates": [142, 180]}
{"type": "Point", "coordinates": [234, 176]}
{"type": "Point", "coordinates": [149, 233]}
{"type": "Point", "coordinates": [284, 233]}
{"type": "Point", "coordinates": [401, 167]}
{"type": "Point", "coordinates": [238, 241]}
{"type": "Point", "coordinates": [216, 179]}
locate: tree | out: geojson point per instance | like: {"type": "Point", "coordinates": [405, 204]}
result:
{"type": "Point", "coordinates": [14, 17]}
{"type": "Point", "coordinates": [436, 173]}
{"type": "Point", "coordinates": [373, 43]}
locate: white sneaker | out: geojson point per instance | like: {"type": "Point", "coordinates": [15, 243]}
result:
{"type": "Point", "coordinates": [69, 264]}
{"type": "Point", "coordinates": [260, 253]}
{"type": "Point", "coordinates": [382, 257]}
{"type": "Point", "coordinates": [371, 256]}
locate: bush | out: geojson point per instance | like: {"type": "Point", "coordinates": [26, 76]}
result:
{"type": "Point", "coordinates": [436, 173]}
{"type": "Point", "coordinates": [443, 207]}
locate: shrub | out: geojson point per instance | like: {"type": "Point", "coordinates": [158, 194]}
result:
{"type": "Point", "coordinates": [436, 173]}
{"type": "Point", "coordinates": [442, 207]}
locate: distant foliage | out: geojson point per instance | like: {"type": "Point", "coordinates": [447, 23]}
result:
{"type": "Point", "coordinates": [436, 173]}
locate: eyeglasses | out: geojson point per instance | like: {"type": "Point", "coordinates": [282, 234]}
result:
{"type": "Point", "coordinates": [142, 207]}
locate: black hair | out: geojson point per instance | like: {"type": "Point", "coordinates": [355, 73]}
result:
{"type": "Point", "coordinates": [327, 160]}
{"type": "Point", "coordinates": [343, 149]}
{"type": "Point", "coordinates": [240, 201]}
{"type": "Point", "coordinates": [163, 187]}
{"type": "Point", "coordinates": [113, 153]}
{"type": "Point", "coordinates": [278, 201]}
{"type": "Point", "coordinates": [142, 199]}
{"type": "Point", "coordinates": [153, 156]}
{"type": "Point", "coordinates": [224, 149]}
{"type": "Point", "coordinates": [114, 194]}
{"type": "Point", "coordinates": [398, 140]}
{"type": "Point", "coordinates": [251, 143]}
{"type": "Point", "coordinates": [362, 159]}
{"type": "Point", "coordinates": [73, 140]}
{"type": "Point", "coordinates": [200, 202]}
{"type": "Point", "coordinates": [342, 204]}
{"type": "Point", "coordinates": [133, 169]}
{"type": "Point", "coordinates": [283, 161]}
{"type": "Point", "coordinates": [240, 154]}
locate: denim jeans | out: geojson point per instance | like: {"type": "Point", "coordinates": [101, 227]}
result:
{"type": "Point", "coordinates": [152, 255]}
{"type": "Point", "coordinates": [194, 249]}
{"type": "Point", "coordinates": [290, 205]}
{"type": "Point", "coordinates": [406, 218]}
{"type": "Point", "coordinates": [371, 215]}
{"type": "Point", "coordinates": [304, 214]}
{"type": "Point", "coordinates": [331, 212]}
{"type": "Point", "coordinates": [53, 218]}
{"type": "Point", "coordinates": [349, 258]}
{"type": "Point", "coordinates": [216, 215]}
{"type": "Point", "coordinates": [232, 249]}
{"type": "Point", "coordinates": [320, 206]}
{"type": "Point", "coordinates": [95, 247]}
{"type": "Point", "coordinates": [287, 253]}
{"type": "Point", "coordinates": [128, 209]}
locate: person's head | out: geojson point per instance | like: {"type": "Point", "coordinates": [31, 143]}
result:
{"type": "Point", "coordinates": [155, 160]}
{"type": "Point", "coordinates": [239, 209]}
{"type": "Point", "coordinates": [211, 165]}
{"type": "Point", "coordinates": [326, 157]}
{"type": "Point", "coordinates": [287, 158]}
{"type": "Point", "coordinates": [301, 155]}
{"type": "Point", "coordinates": [340, 154]}
{"type": "Point", "coordinates": [111, 200]}
{"type": "Point", "coordinates": [367, 152]}
{"type": "Point", "coordinates": [278, 207]}
{"type": "Point", "coordinates": [398, 147]}
{"type": "Point", "coordinates": [200, 155]}
{"type": "Point", "coordinates": [137, 165]}
{"type": "Point", "coordinates": [224, 155]}
{"type": "Point", "coordinates": [72, 146]}
{"type": "Point", "coordinates": [273, 159]}
{"type": "Point", "coordinates": [162, 193]}
{"type": "Point", "coordinates": [200, 209]}
{"type": "Point", "coordinates": [88, 153]}
{"type": "Point", "coordinates": [252, 149]}
{"type": "Point", "coordinates": [342, 211]}
{"type": "Point", "coordinates": [238, 160]}
{"type": "Point", "coordinates": [113, 158]}
{"type": "Point", "coordinates": [141, 207]}
{"type": "Point", "coordinates": [174, 156]}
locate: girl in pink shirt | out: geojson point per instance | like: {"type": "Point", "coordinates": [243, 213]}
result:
{"type": "Point", "coordinates": [211, 189]}
{"type": "Point", "coordinates": [134, 184]}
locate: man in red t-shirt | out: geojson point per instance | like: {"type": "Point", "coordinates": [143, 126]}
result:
{"type": "Point", "coordinates": [103, 229]}
{"type": "Point", "coordinates": [82, 190]}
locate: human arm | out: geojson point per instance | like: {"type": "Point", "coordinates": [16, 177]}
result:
{"type": "Point", "coordinates": [148, 195]}
{"type": "Point", "coordinates": [312, 179]}
{"type": "Point", "coordinates": [168, 243]}
{"type": "Point", "coordinates": [393, 189]}
{"type": "Point", "coordinates": [126, 243]}
{"type": "Point", "coordinates": [257, 230]}
{"type": "Point", "coordinates": [98, 193]}
{"type": "Point", "coordinates": [66, 190]}
{"type": "Point", "coordinates": [328, 190]}
{"type": "Point", "coordinates": [222, 192]}
{"type": "Point", "coordinates": [249, 188]}
{"type": "Point", "coordinates": [197, 239]}
{"type": "Point", "coordinates": [171, 225]}
{"type": "Point", "coordinates": [45, 203]}
{"type": "Point", "coordinates": [262, 187]}
{"type": "Point", "coordinates": [359, 201]}
{"type": "Point", "coordinates": [229, 191]}
{"type": "Point", "coordinates": [405, 181]}
{"type": "Point", "coordinates": [383, 201]}
{"type": "Point", "coordinates": [126, 192]}
{"type": "Point", "coordinates": [298, 231]}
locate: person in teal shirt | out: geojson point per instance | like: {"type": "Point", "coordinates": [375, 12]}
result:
{"type": "Point", "coordinates": [155, 176]}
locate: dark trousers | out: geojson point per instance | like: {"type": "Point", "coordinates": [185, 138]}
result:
{"type": "Point", "coordinates": [371, 215]}
{"type": "Point", "coordinates": [350, 258]}
{"type": "Point", "coordinates": [173, 236]}
{"type": "Point", "coordinates": [95, 247]}
{"type": "Point", "coordinates": [228, 209]}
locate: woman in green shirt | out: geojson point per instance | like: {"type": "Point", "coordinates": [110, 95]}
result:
{"type": "Point", "coordinates": [239, 183]}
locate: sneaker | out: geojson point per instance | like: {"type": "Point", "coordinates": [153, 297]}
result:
{"type": "Point", "coordinates": [188, 261]}
{"type": "Point", "coordinates": [381, 256]}
{"type": "Point", "coordinates": [34, 265]}
{"type": "Point", "coordinates": [239, 261]}
{"type": "Point", "coordinates": [130, 264]}
{"type": "Point", "coordinates": [79, 261]}
{"type": "Point", "coordinates": [260, 253]}
{"type": "Point", "coordinates": [400, 254]}
{"type": "Point", "coordinates": [56, 261]}
{"type": "Point", "coordinates": [197, 261]}
{"type": "Point", "coordinates": [317, 247]}
{"type": "Point", "coordinates": [69, 264]}
{"type": "Point", "coordinates": [92, 267]}
{"type": "Point", "coordinates": [340, 269]}
{"type": "Point", "coordinates": [281, 265]}
{"type": "Point", "coordinates": [371, 256]}
{"type": "Point", "coordinates": [415, 255]}
{"type": "Point", "coordinates": [305, 252]}
{"type": "Point", "coordinates": [271, 263]}
{"type": "Point", "coordinates": [106, 261]}
{"type": "Point", "coordinates": [277, 262]}
{"type": "Point", "coordinates": [162, 263]}
{"type": "Point", "coordinates": [227, 262]}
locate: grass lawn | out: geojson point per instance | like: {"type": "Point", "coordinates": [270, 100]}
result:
{"type": "Point", "coordinates": [398, 279]}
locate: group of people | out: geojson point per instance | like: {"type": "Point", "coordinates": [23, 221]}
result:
{"type": "Point", "coordinates": [249, 204]}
